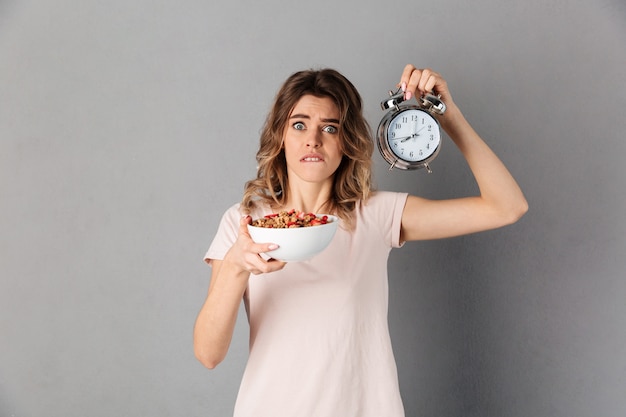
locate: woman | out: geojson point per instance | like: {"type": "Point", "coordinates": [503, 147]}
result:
{"type": "Point", "coordinates": [319, 339]}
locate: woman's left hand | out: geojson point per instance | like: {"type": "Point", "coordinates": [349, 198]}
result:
{"type": "Point", "coordinates": [417, 82]}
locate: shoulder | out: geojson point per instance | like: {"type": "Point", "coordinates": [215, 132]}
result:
{"type": "Point", "coordinates": [383, 200]}
{"type": "Point", "coordinates": [238, 210]}
{"type": "Point", "coordinates": [233, 212]}
{"type": "Point", "coordinates": [229, 222]}
{"type": "Point", "coordinates": [382, 207]}
{"type": "Point", "coordinates": [382, 212]}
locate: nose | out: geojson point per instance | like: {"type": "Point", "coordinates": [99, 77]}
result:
{"type": "Point", "coordinates": [314, 139]}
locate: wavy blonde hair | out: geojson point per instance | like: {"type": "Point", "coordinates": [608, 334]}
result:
{"type": "Point", "coordinates": [353, 179]}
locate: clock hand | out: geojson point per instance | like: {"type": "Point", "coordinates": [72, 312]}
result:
{"type": "Point", "coordinates": [414, 135]}
{"type": "Point", "coordinates": [403, 138]}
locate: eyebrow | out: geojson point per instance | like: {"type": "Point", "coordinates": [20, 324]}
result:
{"type": "Point", "coordinates": [304, 116]}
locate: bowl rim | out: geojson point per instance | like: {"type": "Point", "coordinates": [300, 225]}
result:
{"type": "Point", "coordinates": [336, 220]}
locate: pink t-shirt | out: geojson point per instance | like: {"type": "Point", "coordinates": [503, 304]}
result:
{"type": "Point", "coordinates": [319, 336]}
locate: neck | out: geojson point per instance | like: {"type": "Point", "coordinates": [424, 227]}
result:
{"type": "Point", "coordinates": [309, 197]}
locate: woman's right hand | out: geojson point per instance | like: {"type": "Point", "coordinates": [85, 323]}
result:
{"type": "Point", "coordinates": [215, 324]}
{"type": "Point", "coordinates": [247, 254]}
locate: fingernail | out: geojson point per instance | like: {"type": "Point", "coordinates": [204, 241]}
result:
{"type": "Point", "coordinates": [408, 95]}
{"type": "Point", "coordinates": [403, 87]}
{"type": "Point", "coordinates": [273, 246]}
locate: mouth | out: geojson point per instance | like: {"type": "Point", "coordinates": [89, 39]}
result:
{"type": "Point", "coordinates": [312, 158]}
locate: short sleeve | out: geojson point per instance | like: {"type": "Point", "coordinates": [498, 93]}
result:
{"type": "Point", "coordinates": [383, 211]}
{"type": "Point", "coordinates": [396, 224]}
{"type": "Point", "coordinates": [226, 234]}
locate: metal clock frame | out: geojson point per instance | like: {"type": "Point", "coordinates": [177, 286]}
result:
{"type": "Point", "coordinates": [428, 103]}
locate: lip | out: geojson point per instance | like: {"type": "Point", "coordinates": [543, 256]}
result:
{"type": "Point", "coordinates": [312, 157]}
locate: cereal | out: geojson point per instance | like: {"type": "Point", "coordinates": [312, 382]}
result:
{"type": "Point", "coordinates": [290, 219]}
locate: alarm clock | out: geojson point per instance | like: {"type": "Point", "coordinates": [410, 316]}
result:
{"type": "Point", "coordinates": [409, 136]}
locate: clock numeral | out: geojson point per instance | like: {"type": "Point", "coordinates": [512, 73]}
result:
{"type": "Point", "coordinates": [405, 119]}
{"type": "Point", "coordinates": [398, 126]}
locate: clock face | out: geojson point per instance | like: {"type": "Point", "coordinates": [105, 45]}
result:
{"type": "Point", "coordinates": [413, 135]}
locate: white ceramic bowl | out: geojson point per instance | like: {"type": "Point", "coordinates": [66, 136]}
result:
{"type": "Point", "coordinates": [298, 243]}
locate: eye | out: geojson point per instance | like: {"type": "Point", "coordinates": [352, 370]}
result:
{"type": "Point", "coordinates": [299, 126]}
{"type": "Point", "coordinates": [330, 129]}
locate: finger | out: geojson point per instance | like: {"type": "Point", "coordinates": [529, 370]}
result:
{"type": "Point", "coordinates": [274, 265]}
{"type": "Point", "coordinates": [413, 83]}
{"type": "Point", "coordinates": [251, 245]}
{"type": "Point", "coordinates": [247, 244]}
{"type": "Point", "coordinates": [266, 247]}
{"type": "Point", "coordinates": [429, 82]}
{"type": "Point", "coordinates": [258, 248]}
{"type": "Point", "coordinates": [262, 266]}
{"type": "Point", "coordinates": [256, 255]}
{"type": "Point", "coordinates": [406, 76]}
{"type": "Point", "coordinates": [424, 80]}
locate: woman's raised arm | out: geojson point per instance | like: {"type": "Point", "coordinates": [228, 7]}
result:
{"type": "Point", "coordinates": [500, 202]}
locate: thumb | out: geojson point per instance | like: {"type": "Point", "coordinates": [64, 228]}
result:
{"type": "Point", "coordinates": [243, 224]}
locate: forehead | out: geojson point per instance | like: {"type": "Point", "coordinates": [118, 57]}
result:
{"type": "Point", "coordinates": [310, 105]}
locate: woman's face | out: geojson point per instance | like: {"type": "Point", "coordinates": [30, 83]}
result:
{"type": "Point", "coordinates": [311, 140]}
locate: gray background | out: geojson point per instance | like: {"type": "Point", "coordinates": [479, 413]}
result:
{"type": "Point", "coordinates": [128, 127]}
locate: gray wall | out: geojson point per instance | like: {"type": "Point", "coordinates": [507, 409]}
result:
{"type": "Point", "coordinates": [127, 127]}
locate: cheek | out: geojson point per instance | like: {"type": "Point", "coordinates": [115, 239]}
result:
{"type": "Point", "coordinates": [338, 148]}
{"type": "Point", "coordinates": [288, 151]}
